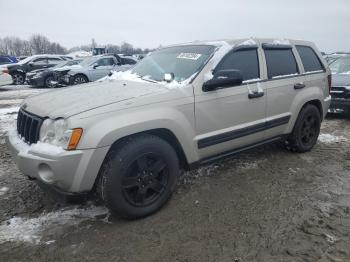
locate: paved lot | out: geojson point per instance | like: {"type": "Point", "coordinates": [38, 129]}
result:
{"type": "Point", "coordinates": [264, 205]}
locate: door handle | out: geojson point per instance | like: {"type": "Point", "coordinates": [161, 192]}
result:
{"type": "Point", "coordinates": [299, 85]}
{"type": "Point", "coordinates": [255, 94]}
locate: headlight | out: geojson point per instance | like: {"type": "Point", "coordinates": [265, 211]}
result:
{"type": "Point", "coordinates": [56, 132]}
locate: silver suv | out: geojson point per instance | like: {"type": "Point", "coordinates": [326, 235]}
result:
{"type": "Point", "coordinates": [182, 106]}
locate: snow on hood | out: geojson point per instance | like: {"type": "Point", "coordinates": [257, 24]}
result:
{"type": "Point", "coordinates": [129, 76]}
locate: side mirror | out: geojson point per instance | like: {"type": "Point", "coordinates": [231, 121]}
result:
{"type": "Point", "coordinates": [94, 66]}
{"type": "Point", "coordinates": [223, 78]}
{"type": "Point", "coordinates": [119, 64]}
{"type": "Point", "coordinates": [30, 64]}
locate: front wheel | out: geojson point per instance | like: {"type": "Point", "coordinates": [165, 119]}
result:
{"type": "Point", "coordinates": [138, 178]}
{"type": "Point", "coordinates": [306, 130]}
{"type": "Point", "coordinates": [80, 79]}
{"type": "Point", "coordinates": [18, 78]}
{"type": "Point", "coordinates": [48, 82]}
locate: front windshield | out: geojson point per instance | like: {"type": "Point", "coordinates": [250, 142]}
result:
{"type": "Point", "coordinates": [182, 61]}
{"type": "Point", "coordinates": [341, 65]}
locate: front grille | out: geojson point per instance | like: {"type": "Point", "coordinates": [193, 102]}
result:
{"type": "Point", "coordinates": [340, 92]}
{"type": "Point", "coordinates": [28, 126]}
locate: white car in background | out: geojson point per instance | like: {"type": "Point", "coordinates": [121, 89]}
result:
{"type": "Point", "coordinates": [5, 77]}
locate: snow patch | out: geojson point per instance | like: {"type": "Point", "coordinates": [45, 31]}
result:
{"type": "Point", "coordinates": [11, 110]}
{"type": "Point", "coordinates": [3, 190]}
{"type": "Point", "coordinates": [329, 138]}
{"type": "Point", "coordinates": [39, 147]}
{"type": "Point", "coordinates": [280, 42]}
{"type": "Point", "coordinates": [248, 42]}
{"type": "Point", "coordinates": [30, 230]}
{"type": "Point", "coordinates": [220, 52]}
{"type": "Point", "coordinates": [122, 75]}
{"type": "Point", "coordinates": [45, 148]}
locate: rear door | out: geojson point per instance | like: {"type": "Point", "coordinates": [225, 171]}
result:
{"type": "Point", "coordinates": [284, 81]}
{"type": "Point", "coordinates": [228, 118]}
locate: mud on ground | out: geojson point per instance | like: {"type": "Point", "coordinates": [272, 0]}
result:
{"type": "Point", "coordinates": [267, 204]}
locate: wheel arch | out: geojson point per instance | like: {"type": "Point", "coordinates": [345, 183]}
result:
{"type": "Point", "coordinates": [164, 134]}
{"type": "Point", "coordinates": [82, 74]}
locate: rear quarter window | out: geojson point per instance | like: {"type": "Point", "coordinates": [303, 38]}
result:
{"type": "Point", "coordinates": [310, 60]}
{"type": "Point", "coordinates": [280, 63]}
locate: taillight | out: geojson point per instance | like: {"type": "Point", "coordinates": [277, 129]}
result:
{"type": "Point", "coordinates": [329, 82]}
{"type": "Point", "coordinates": [5, 70]}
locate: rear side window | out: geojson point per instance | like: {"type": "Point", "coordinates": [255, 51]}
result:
{"type": "Point", "coordinates": [280, 62]}
{"type": "Point", "coordinates": [309, 58]}
{"type": "Point", "coordinates": [244, 60]}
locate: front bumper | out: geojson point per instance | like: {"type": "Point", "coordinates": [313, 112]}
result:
{"type": "Point", "coordinates": [67, 172]}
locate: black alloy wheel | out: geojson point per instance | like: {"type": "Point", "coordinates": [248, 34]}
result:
{"type": "Point", "coordinates": [145, 180]}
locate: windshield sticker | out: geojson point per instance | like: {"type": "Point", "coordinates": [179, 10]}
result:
{"type": "Point", "coordinates": [191, 56]}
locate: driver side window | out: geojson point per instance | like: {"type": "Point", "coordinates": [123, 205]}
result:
{"type": "Point", "coordinates": [246, 61]}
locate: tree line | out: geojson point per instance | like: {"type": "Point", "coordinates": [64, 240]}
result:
{"type": "Point", "coordinates": [40, 44]}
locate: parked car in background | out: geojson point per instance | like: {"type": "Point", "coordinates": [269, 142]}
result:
{"type": "Point", "coordinates": [180, 107]}
{"type": "Point", "coordinates": [5, 77]}
{"type": "Point", "coordinates": [94, 68]}
{"type": "Point", "coordinates": [19, 58]}
{"type": "Point", "coordinates": [6, 59]}
{"type": "Point", "coordinates": [19, 70]}
{"type": "Point", "coordinates": [340, 91]}
{"type": "Point", "coordinates": [46, 77]}
{"type": "Point", "coordinates": [330, 58]}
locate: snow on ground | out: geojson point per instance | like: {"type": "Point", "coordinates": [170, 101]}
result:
{"type": "Point", "coordinates": [3, 190]}
{"type": "Point", "coordinates": [330, 138]}
{"type": "Point", "coordinates": [8, 118]}
{"type": "Point", "coordinates": [30, 230]}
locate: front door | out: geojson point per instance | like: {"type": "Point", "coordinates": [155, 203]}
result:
{"type": "Point", "coordinates": [232, 117]}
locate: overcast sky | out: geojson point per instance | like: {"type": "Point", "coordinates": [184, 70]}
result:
{"type": "Point", "coordinates": [154, 22]}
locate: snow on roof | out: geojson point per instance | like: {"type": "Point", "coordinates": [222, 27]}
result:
{"type": "Point", "coordinates": [80, 53]}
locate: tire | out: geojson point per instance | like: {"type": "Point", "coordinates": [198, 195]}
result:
{"type": "Point", "coordinates": [80, 79]}
{"type": "Point", "coordinates": [139, 176]}
{"type": "Point", "coordinates": [306, 130]}
{"type": "Point", "coordinates": [18, 78]}
{"type": "Point", "coordinates": [47, 82]}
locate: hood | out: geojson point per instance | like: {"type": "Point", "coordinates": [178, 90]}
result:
{"type": "Point", "coordinates": [73, 100]}
{"type": "Point", "coordinates": [341, 80]}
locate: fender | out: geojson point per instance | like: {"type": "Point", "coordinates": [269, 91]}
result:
{"type": "Point", "coordinates": [307, 95]}
{"type": "Point", "coordinates": [116, 125]}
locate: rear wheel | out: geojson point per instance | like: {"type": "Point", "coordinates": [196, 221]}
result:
{"type": "Point", "coordinates": [80, 79]}
{"type": "Point", "coordinates": [306, 130]}
{"type": "Point", "coordinates": [139, 177]}
{"type": "Point", "coordinates": [18, 78]}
